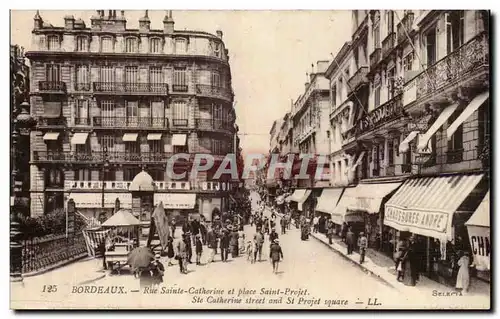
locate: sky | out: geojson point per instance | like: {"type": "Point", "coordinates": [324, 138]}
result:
{"type": "Point", "coordinates": [270, 53]}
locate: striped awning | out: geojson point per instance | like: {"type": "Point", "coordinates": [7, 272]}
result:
{"type": "Point", "coordinates": [328, 199]}
{"type": "Point", "coordinates": [369, 197]}
{"type": "Point", "coordinates": [481, 216]}
{"type": "Point", "coordinates": [51, 136]}
{"type": "Point", "coordinates": [425, 206]}
{"type": "Point", "coordinates": [404, 146]}
{"type": "Point", "coordinates": [300, 195]}
{"type": "Point", "coordinates": [341, 213]}
{"type": "Point", "coordinates": [467, 112]}
{"type": "Point", "coordinates": [442, 118]}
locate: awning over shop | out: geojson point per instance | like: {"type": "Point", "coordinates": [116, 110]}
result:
{"type": "Point", "coordinates": [94, 200]}
{"type": "Point", "coordinates": [481, 216]}
{"type": "Point", "coordinates": [328, 199]}
{"type": "Point", "coordinates": [369, 196]}
{"type": "Point", "coordinates": [154, 136]}
{"type": "Point", "coordinates": [478, 227]}
{"type": "Point", "coordinates": [341, 214]}
{"type": "Point", "coordinates": [404, 146]}
{"type": "Point", "coordinates": [467, 112]}
{"type": "Point", "coordinates": [52, 110]}
{"type": "Point", "coordinates": [300, 195]}
{"type": "Point", "coordinates": [425, 206]}
{"type": "Point", "coordinates": [130, 137]}
{"type": "Point", "coordinates": [79, 138]}
{"type": "Point", "coordinates": [442, 118]}
{"type": "Point", "coordinates": [179, 139]}
{"type": "Point", "coordinates": [51, 136]}
{"type": "Point", "coordinates": [175, 200]}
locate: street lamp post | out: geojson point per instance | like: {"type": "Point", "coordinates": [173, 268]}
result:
{"type": "Point", "coordinates": [105, 166]}
{"type": "Point", "coordinates": [22, 124]}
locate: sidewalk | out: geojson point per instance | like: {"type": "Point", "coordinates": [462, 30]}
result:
{"type": "Point", "coordinates": [383, 267]}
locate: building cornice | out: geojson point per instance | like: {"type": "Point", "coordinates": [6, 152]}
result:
{"type": "Point", "coordinates": [339, 59]}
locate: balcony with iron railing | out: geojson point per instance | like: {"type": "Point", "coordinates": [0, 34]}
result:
{"type": "Point", "coordinates": [121, 88]}
{"type": "Point", "coordinates": [100, 157]}
{"type": "Point", "coordinates": [52, 87]}
{"type": "Point", "coordinates": [359, 78]}
{"type": "Point", "coordinates": [82, 87]}
{"type": "Point", "coordinates": [131, 122]}
{"type": "Point", "coordinates": [375, 57]}
{"type": "Point", "coordinates": [214, 92]}
{"type": "Point", "coordinates": [51, 123]}
{"type": "Point", "coordinates": [405, 26]}
{"type": "Point", "coordinates": [463, 65]}
{"type": "Point", "coordinates": [202, 186]}
{"type": "Point", "coordinates": [180, 123]}
{"type": "Point", "coordinates": [388, 44]}
{"type": "Point", "coordinates": [82, 121]}
{"type": "Point", "coordinates": [180, 88]}
{"type": "Point", "coordinates": [213, 125]}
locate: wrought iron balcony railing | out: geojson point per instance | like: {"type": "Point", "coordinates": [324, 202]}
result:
{"type": "Point", "coordinates": [82, 86]}
{"type": "Point", "coordinates": [358, 78]}
{"type": "Point", "coordinates": [82, 121]}
{"type": "Point", "coordinates": [213, 124]}
{"type": "Point", "coordinates": [100, 157]}
{"type": "Point", "coordinates": [180, 122]}
{"type": "Point", "coordinates": [388, 44]}
{"type": "Point", "coordinates": [375, 57]}
{"type": "Point", "coordinates": [179, 88]}
{"type": "Point", "coordinates": [214, 91]}
{"type": "Point", "coordinates": [51, 122]}
{"type": "Point", "coordinates": [132, 88]}
{"type": "Point", "coordinates": [130, 122]}
{"type": "Point", "coordinates": [52, 86]}
{"type": "Point", "coordinates": [405, 26]}
{"type": "Point", "coordinates": [456, 66]}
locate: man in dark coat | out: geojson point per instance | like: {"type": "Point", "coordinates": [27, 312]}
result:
{"type": "Point", "coordinates": [329, 231]}
{"type": "Point", "coordinates": [343, 231]}
{"type": "Point", "coordinates": [258, 239]}
{"type": "Point", "coordinates": [224, 244]}
{"type": "Point", "coordinates": [275, 254]}
{"type": "Point", "coordinates": [350, 240]}
{"type": "Point", "coordinates": [233, 242]}
{"type": "Point", "coordinates": [283, 225]}
{"type": "Point", "coordinates": [273, 235]}
{"type": "Point", "coordinates": [410, 262]}
{"type": "Point", "coordinates": [212, 244]}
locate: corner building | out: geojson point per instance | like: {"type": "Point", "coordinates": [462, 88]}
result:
{"type": "Point", "coordinates": [114, 104]}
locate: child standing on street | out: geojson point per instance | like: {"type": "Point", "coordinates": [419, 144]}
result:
{"type": "Point", "coordinates": [199, 249]}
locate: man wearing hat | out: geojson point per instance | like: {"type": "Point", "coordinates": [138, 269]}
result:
{"type": "Point", "coordinates": [362, 244]}
{"type": "Point", "coordinates": [182, 253]}
{"type": "Point", "coordinates": [275, 254]}
{"type": "Point", "coordinates": [224, 243]}
{"type": "Point", "coordinates": [199, 248]}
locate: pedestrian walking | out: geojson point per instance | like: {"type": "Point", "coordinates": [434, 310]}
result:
{"type": "Point", "coordinates": [283, 225]}
{"type": "Point", "coordinates": [172, 227]}
{"type": "Point", "coordinates": [410, 264]}
{"type": "Point", "coordinates": [350, 241]}
{"type": "Point", "coordinates": [343, 231]}
{"type": "Point", "coordinates": [224, 244]}
{"type": "Point", "coordinates": [275, 254]}
{"type": "Point", "coordinates": [463, 277]}
{"type": "Point", "coordinates": [250, 251]}
{"type": "Point", "coordinates": [315, 223]}
{"type": "Point", "coordinates": [233, 242]}
{"type": "Point", "coordinates": [329, 231]}
{"type": "Point", "coordinates": [273, 235]}
{"type": "Point", "coordinates": [170, 250]}
{"type": "Point", "coordinates": [182, 253]}
{"type": "Point", "coordinates": [212, 244]}
{"type": "Point", "coordinates": [199, 249]}
{"type": "Point", "coordinates": [241, 241]}
{"type": "Point", "coordinates": [363, 245]}
{"type": "Point", "coordinates": [258, 239]}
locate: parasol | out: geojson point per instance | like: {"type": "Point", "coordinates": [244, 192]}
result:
{"type": "Point", "coordinates": [140, 257]}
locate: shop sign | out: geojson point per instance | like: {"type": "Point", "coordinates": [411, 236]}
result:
{"type": "Point", "coordinates": [420, 124]}
{"type": "Point", "coordinates": [435, 221]}
{"type": "Point", "coordinates": [480, 245]}
{"type": "Point", "coordinates": [380, 115]}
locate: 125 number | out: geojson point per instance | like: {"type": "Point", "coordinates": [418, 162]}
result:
{"type": "Point", "coordinates": [49, 288]}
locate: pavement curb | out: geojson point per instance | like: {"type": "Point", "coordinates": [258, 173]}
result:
{"type": "Point", "coordinates": [365, 269]}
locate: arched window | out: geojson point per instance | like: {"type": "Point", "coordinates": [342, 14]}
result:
{"type": "Point", "coordinates": [131, 45]}
{"type": "Point", "coordinates": [107, 44]}
{"type": "Point", "coordinates": [180, 46]}
{"type": "Point", "coordinates": [155, 45]}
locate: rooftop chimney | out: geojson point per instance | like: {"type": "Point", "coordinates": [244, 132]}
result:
{"type": "Point", "coordinates": [168, 23]}
{"type": "Point", "coordinates": [144, 22]}
{"type": "Point", "coordinates": [69, 22]}
{"type": "Point", "coordinates": [38, 21]}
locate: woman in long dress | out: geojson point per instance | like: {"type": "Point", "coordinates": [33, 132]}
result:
{"type": "Point", "coordinates": [463, 277]}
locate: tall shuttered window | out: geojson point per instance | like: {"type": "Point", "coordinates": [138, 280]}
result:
{"type": "Point", "coordinates": [131, 45]}
{"type": "Point", "coordinates": [180, 113]}
{"type": "Point", "coordinates": [82, 78]}
{"type": "Point", "coordinates": [155, 45]}
{"type": "Point", "coordinates": [180, 76]}
{"type": "Point", "coordinates": [107, 44]}
{"type": "Point", "coordinates": [53, 73]}
{"type": "Point", "coordinates": [82, 44]}
{"type": "Point", "coordinates": [53, 43]}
